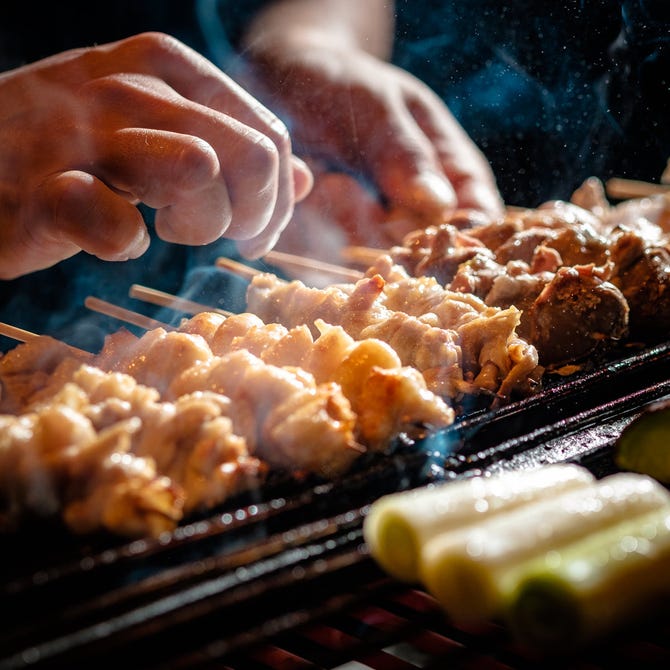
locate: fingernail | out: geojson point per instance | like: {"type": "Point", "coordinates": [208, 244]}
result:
{"type": "Point", "coordinates": [140, 244]}
{"type": "Point", "coordinates": [429, 188]}
{"type": "Point", "coordinates": [303, 178]}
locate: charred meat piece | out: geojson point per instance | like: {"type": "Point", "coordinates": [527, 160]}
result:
{"type": "Point", "coordinates": [437, 251]}
{"type": "Point", "coordinates": [576, 314]}
{"type": "Point", "coordinates": [566, 315]}
{"type": "Point", "coordinates": [449, 248]}
{"type": "Point", "coordinates": [645, 284]}
{"type": "Point", "coordinates": [575, 246]}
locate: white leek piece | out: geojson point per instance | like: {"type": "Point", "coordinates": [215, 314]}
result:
{"type": "Point", "coordinates": [567, 597]}
{"type": "Point", "coordinates": [400, 524]}
{"type": "Point", "coordinates": [473, 571]}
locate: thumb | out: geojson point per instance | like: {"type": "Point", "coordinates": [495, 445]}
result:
{"type": "Point", "coordinates": [408, 173]}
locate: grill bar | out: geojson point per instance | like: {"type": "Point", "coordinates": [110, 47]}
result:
{"type": "Point", "coordinates": [265, 568]}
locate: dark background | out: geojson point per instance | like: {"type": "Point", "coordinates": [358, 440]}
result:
{"type": "Point", "coordinates": [552, 93]}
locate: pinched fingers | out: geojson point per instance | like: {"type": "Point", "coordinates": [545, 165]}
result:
{"type": "Point", "coordinates": [64, 214]}
{"type": "Point", "coordinates": [178, 175]}
{"type": "Point", "coordinates": [407, 168]}
{"type": "Point", "coordinates": [243, 196]}
{"type": "Point", "coordinates": [291, 178]}
{"type": "Point", "coordinates": [459, 157]}
{"type": "Point", "coordinates": [146, 120]}
{"type": "Point", "coordinates": [74, 210]}
{"type": "Point", "coordinates": [193, 77]}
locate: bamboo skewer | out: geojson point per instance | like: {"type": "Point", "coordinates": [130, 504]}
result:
{"type": "Point", "coordinates": [15, 333]}
{"type": "Point", "coordinates": [285, 260]}
{"type": "Point", "coordinates": [290, 261]}
{"type": "Point", "coordinates": [239, 269]}
{"type": "Point", "coordinates": [623, 189]}
{"type": "Point", "coordinates": [22, 335]}
{"type": "Point", "coordinates": [361, 255]}
{"type": "Point", "coordinates": [163, 299]}
{"type": "Point", "coordinates": [122, 314]}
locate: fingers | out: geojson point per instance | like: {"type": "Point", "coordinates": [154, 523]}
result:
{"type": "Point", "coordinates": [67, 213]}
{"type": "Point", "coordinates": [407, 168]}
{"type": "Point", "coordinates": [339, 211]}
{"type": "Point", "coordinates": [293, 179]}
{"type": "Point", "coordinates": [198, 80]}
{"type": "Point", "coordinates": [260, 191]}
{"type": "Point", "coordinates": [75, 209]}
{"type": "Point", "coordinates": [142, 120]}
{"type": "Point", "coordinates": [460, 159]}
{"type": "Point", "coordinates": [178, 175]}
{"type": "Point", "coordinates": [303, 182]}
{"type": "Point", "coordinates": [303, 179]}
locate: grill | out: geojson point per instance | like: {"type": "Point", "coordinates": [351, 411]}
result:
{"type": "Point", "coordinates": [282, 579]}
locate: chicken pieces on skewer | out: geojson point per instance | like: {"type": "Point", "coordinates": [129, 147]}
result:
{"type": "Point", "coordinates": [551, 264]}
{"type": "Point", "coordinates": [287, 418]}
{"type": "Point", "coordinates": [191, 440]}
{"type": "Point", "coordinates": [54, 463]}
{"type": "Point", "coordinates": [318, 437]}
{"type": "Point", "coordinates": [322, 421]}
{"type": "Point", "coordinates": [566, 315]}
{"type": "Point", "coordinates": [105, 453]}
{"type": "Point", "coordinates": [602, 269]}
{"type": "Point", "coordinates": [386, 397]}
{"type": "Point", "coordinates": [390, 399]}
{"type": "Point", "coordinates": [32, 366]}
{"type": "Point", "coordinates": [419, 341]}
{"type": "Point", "coordinates": [635, 237]}
{"type": "Point", "coordinates": [488, 334]}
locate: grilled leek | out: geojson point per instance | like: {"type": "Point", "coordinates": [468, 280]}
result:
{"type": "Point", "coordinates": [473, 571]}
{"type": "Point", "coordinates": [567, 597]}
{"type": "Point", "coordinates": [399, 525]}
{"type": "Point", "coordinates": [644, 445]}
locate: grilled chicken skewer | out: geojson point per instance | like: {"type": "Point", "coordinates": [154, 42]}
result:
{"type": "Point", "coordinates": [566, 315]}
{"type": "Point", "coordinates": [501, 366]}
{"type": "Point", "coordinates": [287, 419]}
{"type": "Point", "coordinates": [391, 399]}
{"type": "Point", "coordinates": [585, 275]}
{"type": "Point", "coordinates": [106, 454]}
{"type": "Point", "coordinates": [387, 397]}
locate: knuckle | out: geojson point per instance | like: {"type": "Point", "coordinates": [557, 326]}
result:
{"type": "Point", "coordinates": [196, 164]}
{"type": "Point", "coordinates": [111, 88]}
{"type": "Point", "coordinates": [279, 134]}
{"type": "Point", "coordinates": [262, 158]}
{"type": "Point", "coordinates": [152, 44]}
{"type": "Point", "coordinates": [81, 209]}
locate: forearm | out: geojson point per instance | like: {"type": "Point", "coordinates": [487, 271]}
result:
{"type": "Point", "coordinates": [339, 24]}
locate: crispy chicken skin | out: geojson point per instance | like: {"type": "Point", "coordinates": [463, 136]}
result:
{"type": "Point", "coordinates": [53, 462]}
{"type": "Point", "coordinates": [357, 366]}
{"type": "Point", "coordinates": [107, 454]}
{"type": "Point", "coordinates": [287, 418]}
{"type": "Point", "coordinates": [180, 362]}
{"type": "Point", "coordinates": [420, 341]}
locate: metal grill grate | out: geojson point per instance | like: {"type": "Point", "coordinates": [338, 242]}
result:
{"type": "Point", "coordinates": [283, 579]}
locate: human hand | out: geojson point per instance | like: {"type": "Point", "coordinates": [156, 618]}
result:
{"type": "Point", "coordinates": [88, 134]}
{"type": "Point", "coordinates": [371, 118]}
